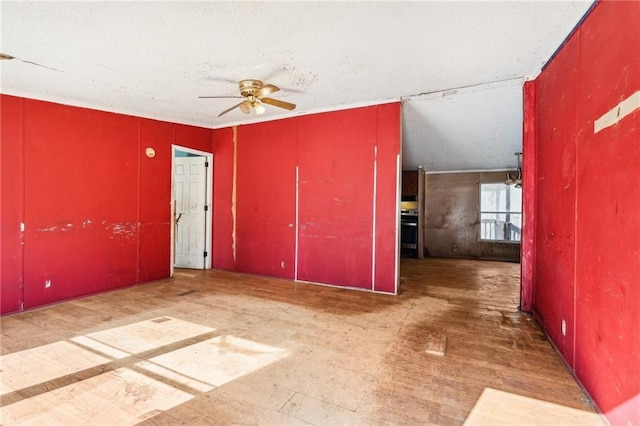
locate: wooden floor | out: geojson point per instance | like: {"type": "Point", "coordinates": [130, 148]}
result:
{"type": "Point", "coordinates": [211, 347]}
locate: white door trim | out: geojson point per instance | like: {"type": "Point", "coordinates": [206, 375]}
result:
{"type": "Point", "coordinates": [209, 197]}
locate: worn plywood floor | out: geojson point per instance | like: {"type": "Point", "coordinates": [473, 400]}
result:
{"type": "Point", "coordinates": [212, 347]}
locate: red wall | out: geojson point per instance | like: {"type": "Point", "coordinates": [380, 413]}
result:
{"type": "Point", "coordinates": [335, 154]}
{"type": "Point", "coordinates": [556, 160]}
{"type": "Point", "coordinates": [266, 197]}
{"type": "Point", "coordinates": [96, 209]}
{"type": "Point", "coordinates": [527, 250]}
{"type": "Point", "coordinates": [11, 203]}
{"type": "Point", "coordinates": [387, 172]}
{"type": "Point", "coordinates": [336, 198]}
{"type": "Point", "coordinates": [223, 239]}
{"type": "Point", "coordinates": [587, 245]}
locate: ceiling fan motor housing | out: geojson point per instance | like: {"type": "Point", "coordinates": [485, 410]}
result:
{"type": "Point", "coordinates": [249, 87]}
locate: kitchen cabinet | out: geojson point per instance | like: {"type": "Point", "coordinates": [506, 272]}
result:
{"type": "Point", "coordinates": [410, 185]}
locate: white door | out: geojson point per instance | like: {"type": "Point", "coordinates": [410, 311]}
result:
{"type": "Point", "coordinates": [190, 194]}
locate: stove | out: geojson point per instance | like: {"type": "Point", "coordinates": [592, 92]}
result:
{"type": "Point", "coordinates": [409, 232]}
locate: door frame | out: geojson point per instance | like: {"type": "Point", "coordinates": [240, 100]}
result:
{"type": "Point", "coordinates": [208, 201]}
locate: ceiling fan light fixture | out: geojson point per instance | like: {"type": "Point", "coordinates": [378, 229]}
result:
{"type": "Point", "coordinates": [517, 181]}
{"type": "Point", "coordinates": [509, 180]}
{"type": "Point", "coordinates": [260, 109]}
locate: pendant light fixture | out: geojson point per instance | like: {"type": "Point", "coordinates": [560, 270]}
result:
{"type": "Point", "coordinates": [517, 181]}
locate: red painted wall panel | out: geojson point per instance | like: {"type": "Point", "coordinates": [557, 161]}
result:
{"type": "Point", "coordinates": [266, 198]}
{"type": "Point", "coordinates": [608, 227]}
{"type": "Point", "coordinates": [155, 251]}
{"type": "Point", "coordinates": [96, 208]}
{"type": "Point", "coordinates": [599, 66]}
{"type": "Point", "coordinates": [155, 199]}
{"type": "Point", "coordinates": [193, 137]}
{"type": "Point", "coordinates": [336, 157]}
{"type": "Point", "coordinates": [11, 202]}
{"type": "Point", "coordinates": [81, 198]}
{"type": "Point", "coordinates": [529, 190]}
{"type": "Point", "coordinates": [555, 217]}
{"type": "Point", "coordinates": [223, 165]}
{"type": "Point", "coordinates": [388, 151]}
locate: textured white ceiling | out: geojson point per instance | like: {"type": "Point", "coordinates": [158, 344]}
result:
{"type": "Point", "coordinates": [478, 127]}
{"type": "Point", "coordinates": [154, 59]}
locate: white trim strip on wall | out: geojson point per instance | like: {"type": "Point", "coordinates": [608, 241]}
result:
{"type": "Point", "coordinates": [398, 195]}
{"type": "Point", "coordinates": [618, 112]}
{"type": "Point", "coordinates": [373, 233]}
{"type": "Point", "coordinates": [295, 262]}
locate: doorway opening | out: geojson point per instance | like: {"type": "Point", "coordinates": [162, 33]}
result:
{"type": "Point", "coordinates": [191, 212]}
{"type": "Point", "coordinates": [471, 227]}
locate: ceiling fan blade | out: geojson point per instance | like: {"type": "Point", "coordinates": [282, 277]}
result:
{"type": "Point", "coordinates": [232, 108]}
{"type": "Point", "coordinates": [219, 97]}
{"type": "Point", "coordinates": [278, 103]}
{"type": "Point", "coordinates": [222, 79]}
{"type": "Point", "coordinates": [265, 90]}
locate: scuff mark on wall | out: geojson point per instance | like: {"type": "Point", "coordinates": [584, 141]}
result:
{"type": "Point", "coordinates": [233, 191]}
{"type": "Point", "coordinates": [63, 227]}
{"type": "Point", "coordinates": [123, 230]}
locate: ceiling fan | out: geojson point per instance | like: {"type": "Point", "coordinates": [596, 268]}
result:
{"type": "Point", "coordinates": [254, 92]}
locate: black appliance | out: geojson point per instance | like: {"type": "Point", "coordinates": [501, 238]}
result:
{"type": "Point", "coordinates": [409, 232]}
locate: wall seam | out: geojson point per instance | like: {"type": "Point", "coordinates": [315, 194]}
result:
{"type": "Point", "coordinates": [374, 217]}
{"type": "Point", "coordinates": [23, 225]}
{"type": "Point", "coordinates": [375, 201]}
{"type": "Point", "coordinates": [297, 222]}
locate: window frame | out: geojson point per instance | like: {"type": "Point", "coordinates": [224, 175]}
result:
{"type": "Point", "coordinates": [507, 213]}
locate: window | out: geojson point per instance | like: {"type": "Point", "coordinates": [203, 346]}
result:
{"type": "Point", "coordinates": [500, 212]}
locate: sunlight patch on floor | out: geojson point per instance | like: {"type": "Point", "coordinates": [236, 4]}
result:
{"type": "Point", "coordinates": [139, 388]}
{"type": "Point", "coordinates": [121, 397]}
{"type": "Point", "coordinates": [146, 335]}
{"type": "Point", "coordinates": [496, 407]}
{"type": "Point", "coordinates": [219, 360]}
{"type": "Point", "coordinates": [30, 367]}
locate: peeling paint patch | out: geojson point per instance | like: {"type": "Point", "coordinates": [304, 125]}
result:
{"type": "Point", "coordinates": [122, 230]}
{"type": "Point", "coordinates": [125, 230]}
{"type": "Point", "coordinates": [61, 228]}
{"type": "Point", "coordinates": [67, 226]}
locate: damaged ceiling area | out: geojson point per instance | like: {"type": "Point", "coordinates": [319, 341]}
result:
{"type": "Point", "coordinates": [458, 67]}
